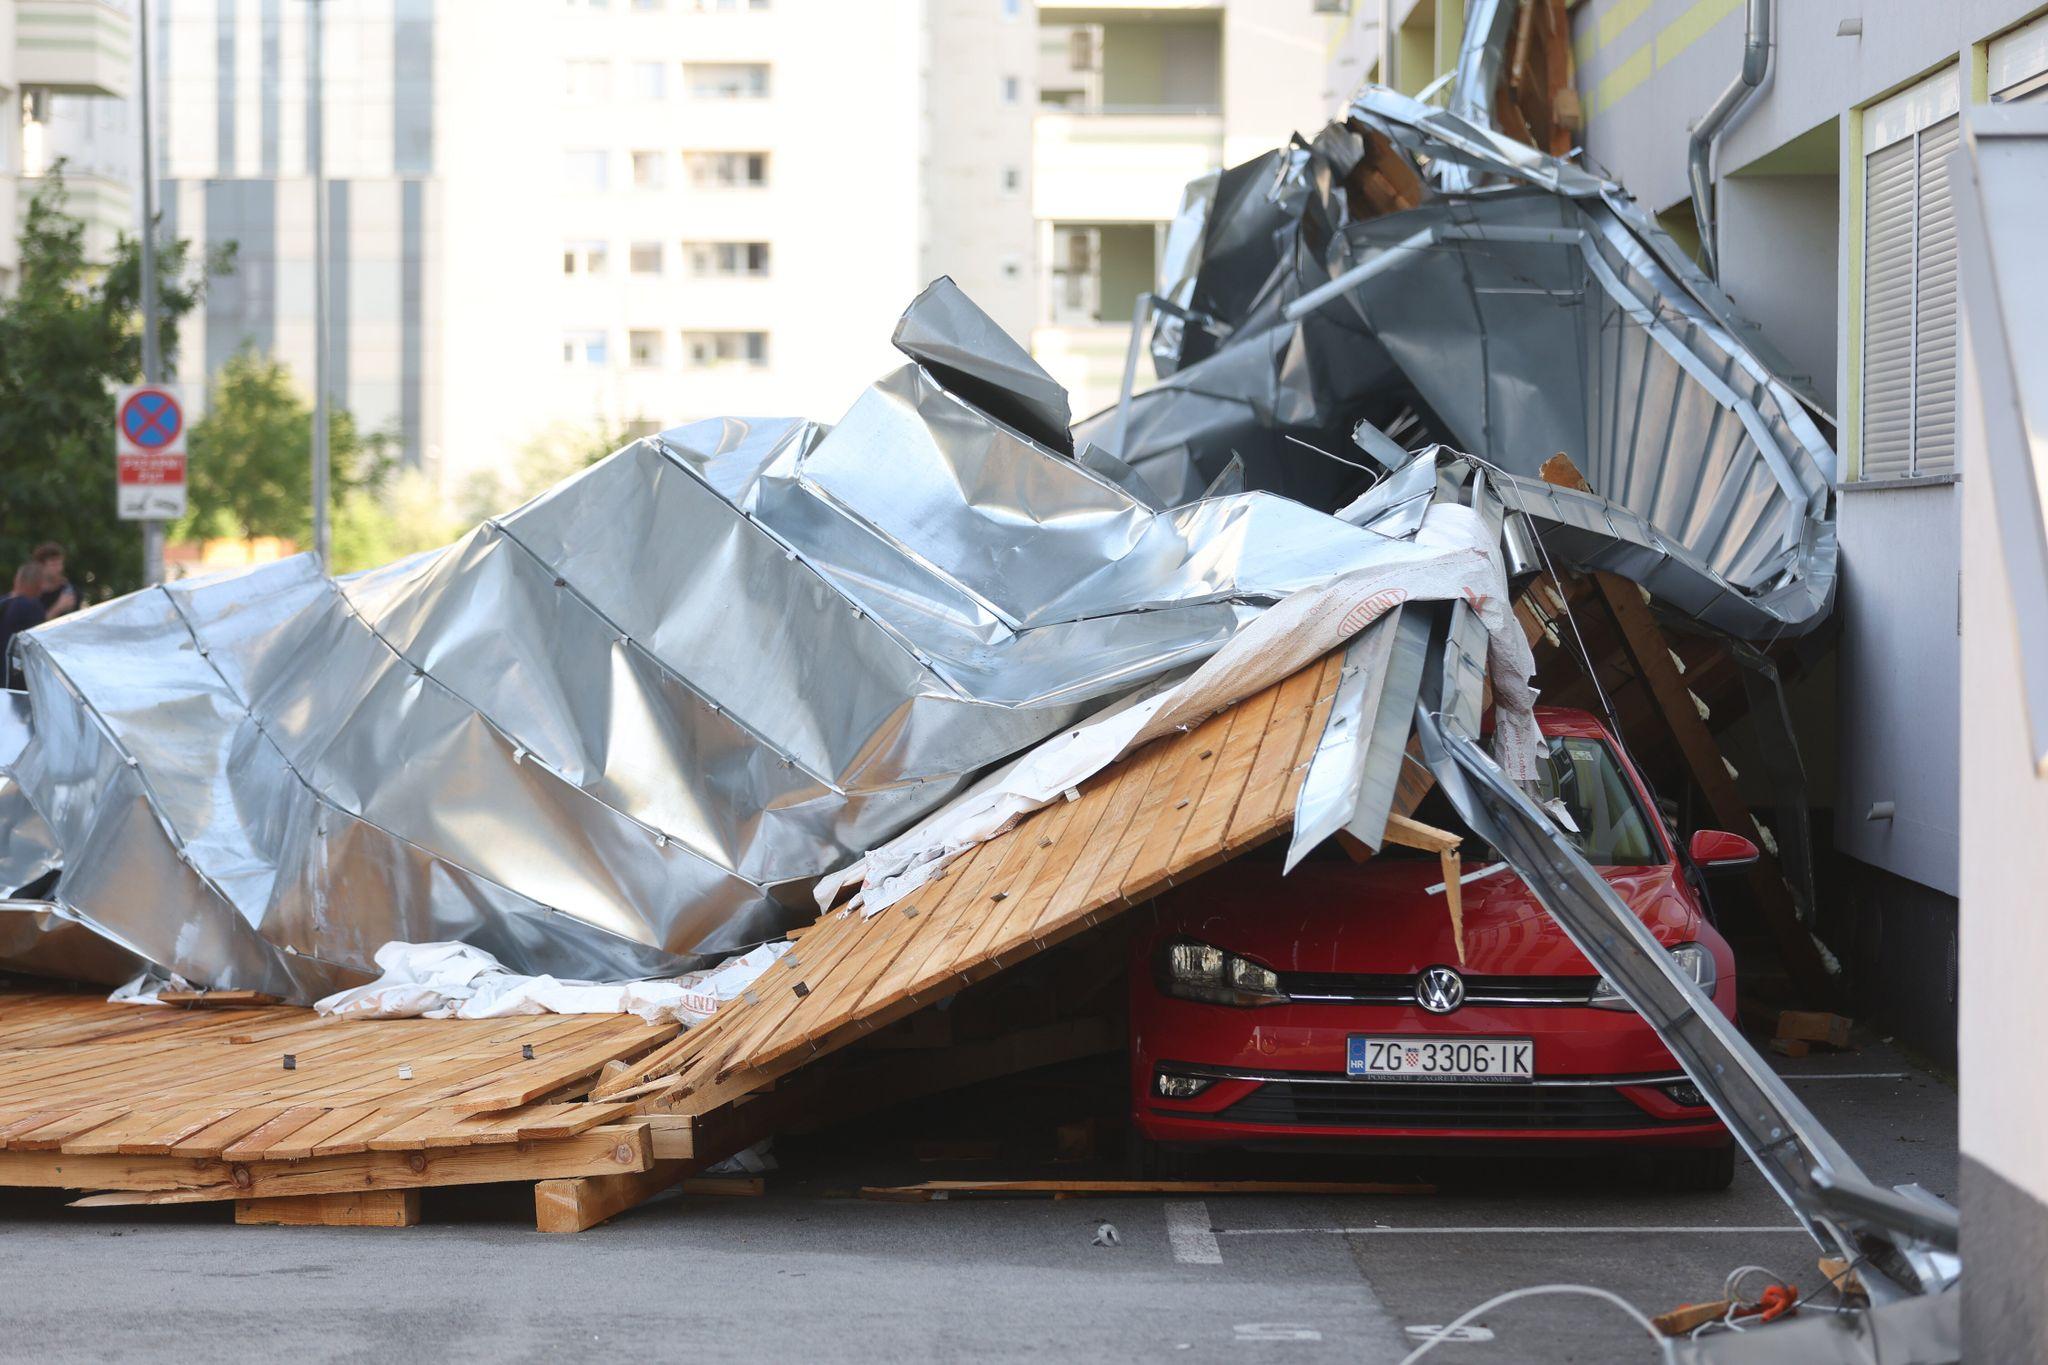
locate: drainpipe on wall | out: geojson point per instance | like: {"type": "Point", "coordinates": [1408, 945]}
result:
{"type": "Point", "coordinates": [1756, 64]}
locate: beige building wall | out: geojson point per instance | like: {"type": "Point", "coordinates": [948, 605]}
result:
{"type": "Point", "coordinates": [1136, 99]}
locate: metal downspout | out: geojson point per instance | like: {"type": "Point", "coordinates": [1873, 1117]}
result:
{"type": "Point", "coordinates": [1756, 64]}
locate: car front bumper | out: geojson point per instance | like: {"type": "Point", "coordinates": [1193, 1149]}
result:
{"type": "Point", "coordinates": [1276, 1074]}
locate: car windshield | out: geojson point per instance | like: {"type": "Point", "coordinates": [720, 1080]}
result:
{"type": "Point", "coordinates": [1611, 829]}
{"type": "Point", "coordinates": [1583, 778]}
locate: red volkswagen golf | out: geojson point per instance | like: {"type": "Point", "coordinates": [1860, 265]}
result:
{"type": "Point", "coordinates": [1329, 1007]}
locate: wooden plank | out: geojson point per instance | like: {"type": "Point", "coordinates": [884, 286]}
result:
{"type": "Point", "coordinates": [610, 1149]}
{"type": "Point", "coordinates": [1650, 654]}
{"type": "Point", "coordinates": [357, 1209]}
{"type": "Point", "coordinates": [930, 1190]}
{"type": "Point", "coordinates": [223, 998]}
{"type": "Point", "coordinates": [574, 1205]}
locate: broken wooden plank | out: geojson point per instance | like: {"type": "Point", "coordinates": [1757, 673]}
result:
{"type": "Point", "coordinates": [1650, 654]}
{"type": "Point", "coordinates": [605, 1150]}
{"type": "Point", "coordinates": [356, 1209]}
{"type": "Point", "coordinates": [930, 1190]}
{"type": "Point", "coordinates": [574, 1205]}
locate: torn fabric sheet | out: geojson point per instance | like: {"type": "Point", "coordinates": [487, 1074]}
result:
{"type": "Point", "coordinates": [1452, 558]}
{"type": "Point", "coordinates": [457, 981]}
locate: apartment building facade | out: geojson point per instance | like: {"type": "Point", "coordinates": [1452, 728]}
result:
{"type": "Point", "coordinates": [66, 67]}
{"type": "Point", "coordinates": [1134, 100]}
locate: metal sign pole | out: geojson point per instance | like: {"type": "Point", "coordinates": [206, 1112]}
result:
{"type": "Point", "coordinates": [316, 136]}
{"type": "Point", "coordinates": [152, 357]}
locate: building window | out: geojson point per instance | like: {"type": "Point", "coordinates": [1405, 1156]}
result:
{"type": "Point", "coordinates": [585, 347]}
{"type": "Point", "coordinates": [726, 80]}
{"type": "Point", "coordinates": [583, 257]}
{"type": "Point", "coordinates": [727, 170]}
{"type": "Point", "coordinates": [587, 170]}
{"type": "Point", "coordinates": [1908, 381]}
{"type": "Point", "coordinates": [712, 350]}
{"type": "Point", "coordinates": [588, 81]}
{"type": "Point", "coordinates": [649, 80]}
{"type": "Point", "coordinates": [1013, 9]}
{"type": "Point", "coordinates": [644, 349]}
{"type": "Point", "coordinates": [650, 170]}
{"type": "Point", "coordinates": [1013, 90]}
{"type": "Point", "coordinates": [710, 259]}
{"type": "Point", "coordinates": [644, 258]}
{"type": "Point", "coordinates": [590, 4]}
{"type": "Point", "coordinates": [1013, 180]}
{"type": "Point", "coordinates": [728, 6]}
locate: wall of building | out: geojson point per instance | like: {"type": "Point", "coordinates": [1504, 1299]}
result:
{"type": "Point", "coordinates": [10, 151]}
{"type": "Point", "coordinates": [1779, 261]}
{"type": "Point", "coordinates": [977, 176]}
{"type": "Point", "coordinates": [1900, 653]}
{"type": "Point", "coordinates": [1647, 71]}
{"type": "Point", "coordinates": [2004, 947]}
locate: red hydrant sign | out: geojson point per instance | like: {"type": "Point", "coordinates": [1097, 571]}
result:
{"type": "Point", "coordinates": [149, 452]}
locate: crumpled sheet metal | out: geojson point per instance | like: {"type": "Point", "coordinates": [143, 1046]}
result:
{"type": "Point", "coordinates": [623, 728]}
{"type": "Point", "coordinates": [1539, 311]}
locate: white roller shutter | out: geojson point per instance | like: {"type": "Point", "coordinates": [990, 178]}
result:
{"type": "Point", "coordinates": [1909, 286]}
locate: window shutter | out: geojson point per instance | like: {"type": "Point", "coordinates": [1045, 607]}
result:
{"type": "Point", "coordinates": [1888, 312]}
{"type": "Point", "coordinates": [1934, 357]}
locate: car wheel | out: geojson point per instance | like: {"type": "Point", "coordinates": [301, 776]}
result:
{"type": "Point", "coordinates": [1703, 1168]}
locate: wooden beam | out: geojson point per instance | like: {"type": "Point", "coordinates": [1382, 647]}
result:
{"type": "Point", "coordinates": [573, 1205]}
{"type": "Point", "coordinates": [1649, 652]}
{"type": "Point", "coordinates": [363, 1209]}
{"type": "Point", "coordinates": [1118, 1189]}
{"type": "Point", "coordinates": [607, 1150]}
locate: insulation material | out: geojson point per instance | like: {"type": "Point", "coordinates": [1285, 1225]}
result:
{"type": "Point", "coordinates": [456, 981]}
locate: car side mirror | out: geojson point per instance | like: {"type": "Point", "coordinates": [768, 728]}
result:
{"type": "Point", "coordinates": [1717, 850]}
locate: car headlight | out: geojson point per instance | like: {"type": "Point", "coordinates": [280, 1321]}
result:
{"type": "Point", "coordinates": [1198, 971]}
{"type": "Point", "coordinates": [1693, 959]}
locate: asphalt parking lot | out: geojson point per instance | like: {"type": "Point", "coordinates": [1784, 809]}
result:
{"type": "Point", "coordinates": [807, 1271]}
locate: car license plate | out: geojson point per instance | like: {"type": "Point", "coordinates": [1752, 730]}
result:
{"type": "Point", "coordinates": [1440, 1059]}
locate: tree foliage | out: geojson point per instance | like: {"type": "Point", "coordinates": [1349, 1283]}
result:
{"type": "Point", "coordinates": [72, 331]}
{"type": "Point", "coordinates": [251, 471]}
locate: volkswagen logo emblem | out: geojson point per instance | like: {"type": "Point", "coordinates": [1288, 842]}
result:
{"type": "Point", "coordinates": [1439, 990]}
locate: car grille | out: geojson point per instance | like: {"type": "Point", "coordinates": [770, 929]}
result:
{"type": "Point", "coordinates": [1430, 1104]}
{"type": "Point", "coordinates": [1368, 988]}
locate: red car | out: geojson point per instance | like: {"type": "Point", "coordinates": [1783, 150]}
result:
{"type": "Point", "coordinates": [1329, 1007]}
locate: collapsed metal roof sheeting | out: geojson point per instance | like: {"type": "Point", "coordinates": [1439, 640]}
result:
{"type": "Point", "coordinates": [1437, 280]}
{"type": "Point", "coordinates": [625, 726]}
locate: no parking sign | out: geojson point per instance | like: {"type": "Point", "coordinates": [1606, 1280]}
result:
{"type": "Point", "coordinates": [149, 452]}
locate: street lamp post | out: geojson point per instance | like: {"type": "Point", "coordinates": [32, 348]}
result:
{"type": "Point", "coordinates": [152, 341]}
{"type": "Point", "coordinates": [316, 137]}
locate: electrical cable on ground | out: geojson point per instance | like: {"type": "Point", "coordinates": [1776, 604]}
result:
{"type": "Point", "coordinates": [1665, 1346]}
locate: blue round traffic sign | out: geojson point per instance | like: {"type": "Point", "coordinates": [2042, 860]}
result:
{"type": "Point", "coordinates": [151, 419]}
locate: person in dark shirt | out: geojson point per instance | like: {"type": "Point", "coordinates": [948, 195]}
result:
{"type": "Point", "coordinates": [58, 595]}
{"type": "Point", "coordinates": [21, 610]}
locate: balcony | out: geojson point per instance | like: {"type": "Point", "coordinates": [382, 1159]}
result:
{"type": "Point", "coordinates": [1119, 167]}
{"type": "Point", "coordinates": [74, 47]}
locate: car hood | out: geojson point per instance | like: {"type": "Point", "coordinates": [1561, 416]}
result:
{"type": "Point", "coordinates": [1380, 917]}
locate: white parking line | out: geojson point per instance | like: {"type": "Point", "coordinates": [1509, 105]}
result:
{"type": "Point", "coordinates": [1189, 1233]}
{"type": "Point", "coordinates": [1605, 1231]}
{"type": "Point", "coordinates": [1844, 1076]}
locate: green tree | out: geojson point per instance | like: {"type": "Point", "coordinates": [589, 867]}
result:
{"type": "Point", "coordinates": [251, 471]}
{"type": "Point", "coordinates": [73, 330]}
{"type": "Point", "coordinates": [552, 455]}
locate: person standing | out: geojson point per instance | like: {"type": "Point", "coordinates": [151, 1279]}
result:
{"type": "Point", "coordinates": [21, 610]}
{"type": "Point", "coordinates": [58, 595]}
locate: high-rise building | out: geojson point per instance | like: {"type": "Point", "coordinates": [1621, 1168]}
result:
{"type": "Point", "coordinates": [232, 155]}
{"type": "Point", "coordinates": [65, 69]}
{"type": "Point", "coordinates": [624, 214]}
{"type": "Point", "coordinates": [1134, 100]}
